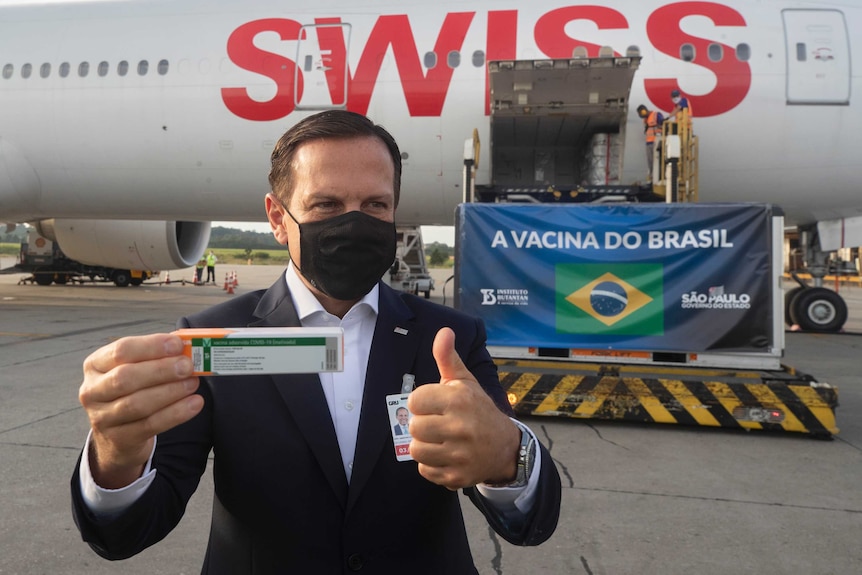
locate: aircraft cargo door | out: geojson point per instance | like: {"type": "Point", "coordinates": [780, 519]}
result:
{"type": "Point", "coordinates": [321, 67]}
{"type": "Point", "coordinates": [548, 117]}
{"type": "Point", "coordinates": [818, 57]}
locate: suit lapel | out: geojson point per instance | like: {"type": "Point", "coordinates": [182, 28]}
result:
{"type": "Point", "coordinates": [392, 355]}
{"type": "Point", "coordinates": [303, 394]}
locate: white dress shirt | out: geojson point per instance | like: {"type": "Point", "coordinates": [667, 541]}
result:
{"type": "Point", "coordinates": [343, 391]}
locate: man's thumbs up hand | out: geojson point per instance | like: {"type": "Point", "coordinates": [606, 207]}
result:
{"type": "Point", "coordinates": [449, 363]}
{"type": "Point", "coordinates": [460, 437]}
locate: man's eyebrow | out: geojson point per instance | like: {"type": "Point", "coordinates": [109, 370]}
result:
{"type": "Point", "coordinates": [324, 195]}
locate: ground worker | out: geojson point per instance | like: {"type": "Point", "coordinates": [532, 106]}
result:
{"type": "Point", "coordinates": [199, 271]}
{"type": "Point", "coordinates": [652, 128]}
{"type": "Point", "coordinates": [211, 262]}
{"type": "Point", "coordinates": [680, 103]}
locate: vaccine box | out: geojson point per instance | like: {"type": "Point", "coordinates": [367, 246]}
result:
{"type": "Point", "coordinates": [263, 350]}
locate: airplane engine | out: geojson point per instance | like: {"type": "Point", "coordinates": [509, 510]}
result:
{"type": "Point", "coordinates": [129, 244]}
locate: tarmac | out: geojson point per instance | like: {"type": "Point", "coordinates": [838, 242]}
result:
{"type": "Point", "coordinates": [637, 499]}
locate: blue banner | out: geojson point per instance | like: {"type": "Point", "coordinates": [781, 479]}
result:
{"type": "Point", "coordinates": [651, 277]}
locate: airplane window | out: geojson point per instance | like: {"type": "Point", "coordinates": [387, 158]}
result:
{"type": "Point", "coordinates": [8, 70]}
{"type": "Point", "coordinates": [45, 70]}
{"type": "Point", "coordinates": [103, 68]}
{"type": "Point", "coordinates": [83, 69]}
{"type": "Point", "coordinates": [430, 60]}
{"type": "Point", "coordinates": [800, 52]}
{"type": "Point", "coordinates": [163, 67]}
{"type": "Point", "coordinates": [743, 52]}
{"type": "Point", "coordinates": [686, 52]}
{"type": "Point", "coordinates": [478, 58]}
{"type": "Point", "coordinates": [143, 67]}
{"type": "Point", "coordinates": [122, 68]}
{"type": "Point", "coordinates": [64, 69]}
{"type": "Point", "coordinates": [454, 59]}
{"type": "Point", "coordinates": [715, 52]}
{"type": "Point", "coordinates": [26, 70]}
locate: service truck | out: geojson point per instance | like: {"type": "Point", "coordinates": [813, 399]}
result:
{"type": "Point", "coordinates": [48, 264]}
{"type": "Point", "coordinates": [409, 272]}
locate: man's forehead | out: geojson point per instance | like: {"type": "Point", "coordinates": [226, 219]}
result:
{"type": "Point", "coordinates": [317, 146]}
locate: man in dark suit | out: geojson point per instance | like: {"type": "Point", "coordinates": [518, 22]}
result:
{"type": "Point", "coordinates": [306, 477]}
{"type": "Point", "coordinates": [402, 415]}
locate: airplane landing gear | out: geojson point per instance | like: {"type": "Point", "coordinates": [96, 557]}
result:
{"type": "Point", "coordinates": [815, 309]}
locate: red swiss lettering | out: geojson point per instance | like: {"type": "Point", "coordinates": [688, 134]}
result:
{"type": "Point", "coordinates": [242, 52]}
{"type": "Point", "coordinates": [500, 43]}
{"type": "Point", "coordinates": [425, 94]}
{"type": "Point", "coordinates": [550, 30]}
{"type": "Point", "coordinates": [733, 77]}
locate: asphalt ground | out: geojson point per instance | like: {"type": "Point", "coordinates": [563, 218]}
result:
{"type": "Point", "coordinates": [637, 499]}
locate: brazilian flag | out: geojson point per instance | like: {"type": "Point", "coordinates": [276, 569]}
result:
{"type": "Point", "coordinates": [610, 299]}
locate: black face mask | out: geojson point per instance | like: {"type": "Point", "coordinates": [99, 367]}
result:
{"type": "Point", "coordinates": [346, 255]}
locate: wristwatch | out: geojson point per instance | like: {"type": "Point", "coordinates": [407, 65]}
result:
{"type": "Point", "coordinates": [526, 458]}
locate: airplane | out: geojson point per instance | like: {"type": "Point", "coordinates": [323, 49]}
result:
{"type": "Point", "coordinates": [126, 127]}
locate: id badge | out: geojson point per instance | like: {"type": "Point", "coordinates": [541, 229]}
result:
{"type": "Point", "coordinates": [399, 425]}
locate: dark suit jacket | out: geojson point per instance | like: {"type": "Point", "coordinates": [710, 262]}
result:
{"type": "Point", "coordinates": [397, 429]}
{"type": "Point", "coordinates": [282, 502]}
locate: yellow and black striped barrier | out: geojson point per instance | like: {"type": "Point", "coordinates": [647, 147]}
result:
{"type": "Point", "coordinates": [772, 401]}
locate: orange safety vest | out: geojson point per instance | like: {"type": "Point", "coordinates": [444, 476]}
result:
{"type": "Point", "coordinates": [653, 128]}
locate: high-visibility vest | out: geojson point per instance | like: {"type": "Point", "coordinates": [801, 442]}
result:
{"type": "Point", "coordinates": [653, 128]}
{"type": "Point", "coordinates": [687, 107]}
{"type": "Point", "coordinates": [685, 114]}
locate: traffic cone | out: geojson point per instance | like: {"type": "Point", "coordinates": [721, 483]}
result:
{"type": "Point", "coordinates": [167, 278]}
{"type": "Point", "coordinates": [225, 281]}
{"type": "Point", "coordinates": [230, 289]}
{"type": "Point", "coordinates": [235, 280]}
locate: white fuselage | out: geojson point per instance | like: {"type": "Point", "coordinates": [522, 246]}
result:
{"type": "Point", "coordinates": [190, 138]}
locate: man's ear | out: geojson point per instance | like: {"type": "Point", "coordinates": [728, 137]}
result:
{"type": "Point", "coordinates": [276, 214]}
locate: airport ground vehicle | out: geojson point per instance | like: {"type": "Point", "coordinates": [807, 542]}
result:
{"type": "Point", "coordinates": [409, 273]}
{"type": "Point", "coordinates": [48, 264]}
{"type": "Point", "coordinates": [564, 263]}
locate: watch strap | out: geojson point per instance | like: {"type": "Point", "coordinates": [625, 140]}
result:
{"type": "Point", "coordinates": [525, 459]}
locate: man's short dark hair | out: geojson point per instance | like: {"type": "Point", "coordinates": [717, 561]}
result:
{"type": "Point", "coordinates": [331, 124]}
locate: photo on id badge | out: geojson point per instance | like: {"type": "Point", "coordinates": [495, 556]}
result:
{"type": "Point", "coordinates": [399, 425]}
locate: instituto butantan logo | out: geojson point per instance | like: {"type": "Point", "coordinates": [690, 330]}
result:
{"type": "Point", "coordinates": [614, 299]}
{"type": "Point", "coordinates": [497, 296]}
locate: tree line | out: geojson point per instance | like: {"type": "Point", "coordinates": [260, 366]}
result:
{"type": "Point", "coordinates": [232, 238]}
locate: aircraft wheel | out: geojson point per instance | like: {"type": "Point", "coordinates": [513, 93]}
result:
{"type": "Point", "coordinates": [818, 309]}
{"type": "Point", "coordinates": [43, 279]}
{"type": "Point", "coordinates": [122, 278]}
{"type": "Point", "coordinates": [789, 296]}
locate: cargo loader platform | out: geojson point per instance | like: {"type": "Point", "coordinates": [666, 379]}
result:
{"type": "Point", "coordinates": [778, 401]}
